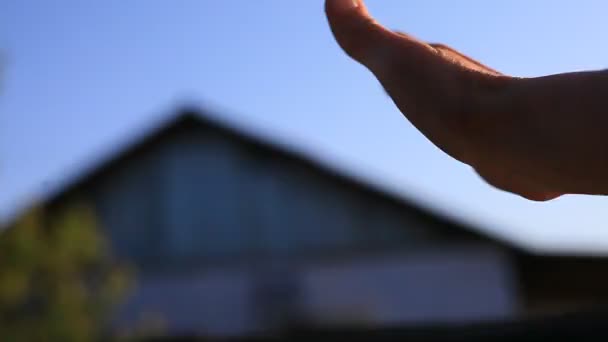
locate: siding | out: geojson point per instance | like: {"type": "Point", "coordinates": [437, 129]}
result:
{"type": "Point", "coordinates": [204, 200]}
{"type": "Point", "coordinates": [202, 214]}
{"type": "Point", "coordinates": [224, 199]}
{"type": "Point", "coordinates": [129, 206]}
{"type": "Point", "coordinates": [463, 284]}
{"type": "Point", "coordinates": [459, 284]}
{"type": "Point", "coordinates": [202, 197]}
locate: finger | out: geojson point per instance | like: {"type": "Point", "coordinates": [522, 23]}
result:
{"type": "Point", "coordinates": [509, 182]}
{"type": "Point", "coordinates": [365, 40]}
{"type": "Point", "coordinates": [458, 57]}
{"type": "Point", "coordinates": [463, 60]}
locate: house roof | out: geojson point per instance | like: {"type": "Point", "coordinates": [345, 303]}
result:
{"type": "Point", "coordinates": [189, 116]}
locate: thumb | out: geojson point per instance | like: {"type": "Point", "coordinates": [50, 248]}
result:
{"type": "Point", "coordinates": [365, 40]}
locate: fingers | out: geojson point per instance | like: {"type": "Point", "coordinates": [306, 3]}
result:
{"type": "Point", "coordinates": [458, 57]}
{"type": "Point", "coordinates": [517, 184]}
{"type": "Point", "coordinates": [463, 60]}
{"type": "Point", "coordinates": [438, 88]}
{"type": "Point", "coordinates": [365, 40]}
{"type": "Point", "coordinates": [355, 30]}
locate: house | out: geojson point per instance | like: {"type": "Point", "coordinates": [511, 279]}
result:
{"type": "Point", "coordinates": [233, 235]}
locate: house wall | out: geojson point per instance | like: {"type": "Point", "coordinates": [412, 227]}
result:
{"type": "Point", "coordinates": [203, 197]}
{"type": "Point", "coordinates": [128, 203]}
{"type": "Point", "coordinates": [457, 284]}
{"type": "Point", "coordinates": [202, 215]}
{"type": "Point", "coordinates": [460, 285]}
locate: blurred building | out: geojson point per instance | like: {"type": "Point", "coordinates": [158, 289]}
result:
{"type": "Point", "coordinates": [233, 235]}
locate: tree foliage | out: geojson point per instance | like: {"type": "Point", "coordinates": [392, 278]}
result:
{"type": "Point", "coordinates": [58, 281]}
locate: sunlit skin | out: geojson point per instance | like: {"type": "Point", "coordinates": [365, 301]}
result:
{"type": "Point", "coordinates": [539, 137]}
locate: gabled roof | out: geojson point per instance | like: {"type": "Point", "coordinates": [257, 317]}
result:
{"type": "Point", "coordinates": [186, 117]}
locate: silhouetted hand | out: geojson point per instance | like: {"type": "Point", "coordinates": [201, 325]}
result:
{"type": "Point", "coordinates": [492, 122]}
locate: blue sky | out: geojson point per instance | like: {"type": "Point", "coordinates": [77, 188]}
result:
{"type": "Point", "coordinates": [83, 76]}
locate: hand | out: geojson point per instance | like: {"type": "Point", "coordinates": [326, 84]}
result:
{"type": "Point", "coordinates": [449, 97]}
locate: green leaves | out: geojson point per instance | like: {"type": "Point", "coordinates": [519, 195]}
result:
{"type": "Point", "coordinates": [58, 280]}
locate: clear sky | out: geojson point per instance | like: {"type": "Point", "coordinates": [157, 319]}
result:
{"type": "Point", "coordinates": [82, 76]}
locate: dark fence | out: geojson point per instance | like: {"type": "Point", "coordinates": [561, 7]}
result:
{"type": "Point", "coordinates": [588, 326]}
